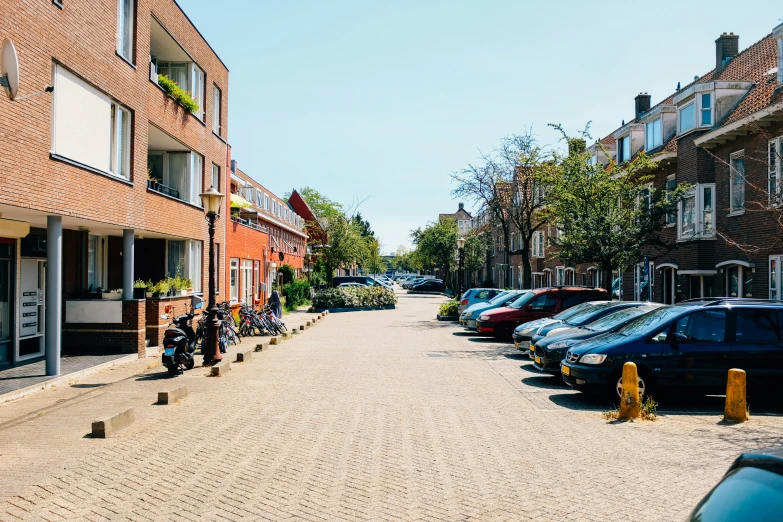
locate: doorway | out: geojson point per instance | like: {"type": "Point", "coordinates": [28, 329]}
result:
{"type": "Point", "coordinates": [7, 251]}
{"type": "Point", "coordinates": [32, 312]}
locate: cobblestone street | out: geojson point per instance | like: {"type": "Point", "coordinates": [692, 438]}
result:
{"type": "Point", "coordinates": [386, 415]}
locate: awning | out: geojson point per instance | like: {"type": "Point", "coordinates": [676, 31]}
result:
{"type": "Point", "coordinates": [746, 264]}
{"type": "Point", "coordinates": [239, 202]}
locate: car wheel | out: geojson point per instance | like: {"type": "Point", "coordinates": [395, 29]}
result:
{"type": "Point", "coordinates": [644, 385]}
{"type": "Point", "coordinates": [504, 332]}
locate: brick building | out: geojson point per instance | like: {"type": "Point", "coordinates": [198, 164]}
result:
{"type": "Point", "coordinates": [100, 180]}
{"type": "Point", "coordinates": [263, 233]}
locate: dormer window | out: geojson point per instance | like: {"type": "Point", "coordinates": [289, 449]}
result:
{"type": "Point", "coordinates": [696, 112]}
{"type": "Point", "coordinates": [687, 117]}
{"type": "Point", "coordinates": [624, 149]}
{"type": "Point", "coordinates": [653, 135]}
{"type": "Point", "coordinates": [706, 109]}
{"type": "Point", "coordinates": [777, 34]}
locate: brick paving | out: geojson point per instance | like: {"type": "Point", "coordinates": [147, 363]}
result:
{"type": "Point", "coordinates": [384, 415]}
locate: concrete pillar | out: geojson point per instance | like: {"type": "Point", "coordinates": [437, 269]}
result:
{"type": "Point", "coordinates": [127, 264]}
{"type": "Point", "coordinates": [54, 293]}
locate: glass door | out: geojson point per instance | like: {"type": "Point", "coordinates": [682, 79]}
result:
{"type": "Point", "coordinates": [31, 330]}
{"type": "Point", "coordinates": [246, 277]}
{"type": "Point", "coordinates": [6, 296]}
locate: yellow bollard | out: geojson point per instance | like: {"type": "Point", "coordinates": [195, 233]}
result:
{"type": "Point", "coordinates": [630, 404]}
{"type": "Point", "coordinates": [736, 409]}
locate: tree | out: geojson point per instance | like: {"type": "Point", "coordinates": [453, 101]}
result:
{"type": "Point", "coordinates": [475, 253]}
{"type": "Point", "coordinates": [364, 226]}
{"type": "Point", "coordinates": [436, 246]}
{"type": "Point", "coordinates": [346, 244]}
{"type": "Point", "coordinates": [373, 262]}
{"type": "Point", "coordinates": [606, 214]}
{"type": "Point", "coordinates": [403, 260]}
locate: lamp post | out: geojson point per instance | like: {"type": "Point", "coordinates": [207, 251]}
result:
{"type": "Point", "coordinates": [212, 201]}
{"type": "Point", "coordinates": [460, 274]}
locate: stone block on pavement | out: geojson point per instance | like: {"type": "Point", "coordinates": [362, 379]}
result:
{"type": "Point", "coordinates": [274, 340]}
{"type": "Point", "coordinates": [107, 426]}
{"type": "Point", "coordinates": [262, 347]}
{"type": "Point", "coordinates": [173, 395]}
{"type": "Point", "coordinates": [244, 356]}
{"type": "Point", "coordinates": [220, 368]}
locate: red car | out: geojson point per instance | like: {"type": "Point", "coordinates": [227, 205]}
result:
{"type": "Point", "coordinates": [535, 304]}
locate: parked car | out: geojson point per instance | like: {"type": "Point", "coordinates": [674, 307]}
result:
{"type": "Point", "coordinates": [750, 491]}
{"type": "Point", "coordinates": [430, 285]}
{"type": "Point", "coordinates": [342, 285]}
{"type": "Point", "coordinates": [547, 352]}
{"type": "Point", "coordinates": [469, 316]}
{"type": "Point", "coordinates": [539, 303]}
{"type": "Point", "coordinates": [382, 282]}
{"type": "Point", "coordinates": [362, 280]}
{"type": "Point", "coordinates": [525, 331]}
{"type": "Point", "coordinates": [416, 280]}
{"type": "Point", "coordinates": [689, 346]}
{"type": "Point", "coordinates": [477, 295]}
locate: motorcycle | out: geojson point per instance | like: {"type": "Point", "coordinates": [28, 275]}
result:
{"type": "Point", "coordinates": [179, 341]}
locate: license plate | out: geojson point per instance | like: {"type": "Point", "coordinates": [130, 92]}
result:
{"type": "Point", "coordinates": [168, 351]}
{"type": "Point", "coordinates": [565, 369]}
{"type": "Point", "coordinates": [538, 360]}
{"type": "Point", "coordinates": [532, 347]}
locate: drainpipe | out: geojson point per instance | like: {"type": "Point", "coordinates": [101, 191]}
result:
{"type": "Point", "coordinates": [54, 292]}
{"type": "Point", "coordinates": [127, 264]}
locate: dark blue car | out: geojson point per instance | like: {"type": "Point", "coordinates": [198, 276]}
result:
{"type": "Point", "coordinates": [689, 345]}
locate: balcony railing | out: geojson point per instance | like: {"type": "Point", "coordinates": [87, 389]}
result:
{"type": "Point", "coordinates": [250, 224]}
{"type": "Point", "coordinates": [163, 189]}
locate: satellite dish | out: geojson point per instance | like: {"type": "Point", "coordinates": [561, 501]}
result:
{"type": "Point", "coordinates": [9, 69]}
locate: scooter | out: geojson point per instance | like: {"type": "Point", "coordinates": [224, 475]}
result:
{"type": "Point", "coordinates": [179, 342]}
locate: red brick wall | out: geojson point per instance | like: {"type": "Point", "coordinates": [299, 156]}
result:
{"type": "Point", "coordinates": [155, 325]}
{"type": "Point", "coordinates": [81, 36]}
{"type": "Point", "coordinates": [126, 337]}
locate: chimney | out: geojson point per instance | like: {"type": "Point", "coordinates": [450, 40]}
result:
{"type": "Point", "coordinates": [234, 166]}
{"type": "Point", "coordinates": [642, 104]}
{"type": "Point", "coordinates": [462, 206]}
{"type": "Point", "coordinates": [726, 48]}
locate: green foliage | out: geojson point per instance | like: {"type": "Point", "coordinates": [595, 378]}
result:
{"type": "Point", "coordinates": [373, 263]}
{"type": "Point", "coordinates": [450, 309]}
{"type": "Point", "coordinates": [318, 276]}
{"type": "Point", "coordinates": [322, 206]}
{"type": "Point", "coordinates": [297, 293]}
{"type": "Point", "coordinates": [364, 226]}
{"type": "Point", "coordinates": [354, 297]}
{"type": "Point", "coordinates": [161, 287]}
{"type": "Point", "coordinates": [436, 246]}
{"type": "Point", "coordinates": [140, 283]}
{"type": "Point", "coordinates": [288, 272]}
{"type": "Point", "coordinates": [173, 89]}
{"type": "Point", "coordinates": [606, 214]}
{"type": "Point", "coordinates": [475, 252]}
{"type": "Point", "coordinates": [346, 244]}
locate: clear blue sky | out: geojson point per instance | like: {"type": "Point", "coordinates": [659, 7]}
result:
{"type": "Point", "coordinates": [383, 100]}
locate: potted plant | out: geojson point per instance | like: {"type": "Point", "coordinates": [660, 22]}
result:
{"type": "Point", "coordinates": [139, 289]}
{"type": "Point", "coordinates": [161, 288]}
{"type": "Point", "coordinates": [113, 295]}
{"type": "Point", "coordinates": [187, 286]}
{"type": "Point", "coordinates": [149, 289]}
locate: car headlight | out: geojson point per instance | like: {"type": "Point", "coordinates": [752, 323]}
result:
{"type": "Point", "coordinates": [468, 314]}
{"type": "Point", "coordinates": [561, 345]}
{"type": "Point", "coordinates": [526, 331]}
{"type": "Point", "coordinates": [593, 358]}
{"type": "Point", "coordinates": [483, 317]}
{"type": "Point", "coordinates": [555, 331]}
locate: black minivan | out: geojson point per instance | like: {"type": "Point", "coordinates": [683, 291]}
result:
{"type": "Point", "coordinates": [690, 345]}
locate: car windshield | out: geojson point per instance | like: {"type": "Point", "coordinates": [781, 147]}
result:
{"type": "Point", "coordinates": [570, 312]}
{"type": "Point", "coordinates": [499, 298]}
{"type": "Point", "coordinates": [616, 319]}
{"type": "Point", "coordinates": [587, 315]}
{"type": "Point", "coordinates": [522, 300]}
{"type": "Point", "coordinates": [648, 323]}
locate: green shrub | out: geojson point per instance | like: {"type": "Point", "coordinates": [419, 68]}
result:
{"type": "Point", "coordinates": [173, 89]}
{"type": "Point", "coordinates": [288, 273]}
{"type": "Point", "coordinates": [354, 297]}
{"type": "Point", "coordinates": [449, 309]}
{"type": "Point", "coordinates": [297, 293]}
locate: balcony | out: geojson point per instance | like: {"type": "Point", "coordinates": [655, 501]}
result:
{"type": "Point", "coordinates": [168, 58]}
{"type": "Point", "coordinates": [173, 170]}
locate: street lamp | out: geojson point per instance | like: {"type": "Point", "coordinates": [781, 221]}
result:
{"type": "Point", "coordinates": [460, 274]}
{"type": "Point", "coordinates": [212, 201]}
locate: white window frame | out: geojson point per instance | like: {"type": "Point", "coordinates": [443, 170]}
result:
{"type": "Point", "coordinates": [128, 32]}
{"type": "Point", "coordinates": [696, 113]}
{"type": "Point", "coordinates": [216, 177]}
{"type": "Point", "coordinates": [233, 280]}
{"type": "Point", "coordinates": [698, 192]}
{"type": "Point", "coordinates": [121, 129]}
{"type": "Point", "coordinates": [217, 100]}
{"type": "Point", "coordinates": [775, 282]}
{"type": "Point", "coordinates": [266, 202]}
{"type": "Point", "coordinates": [647, 137]}
{"type": "Point", "coordinates": [559, 275]}
{"type": "Point", "coordinates": [198, 86]}
{"type": "Point", "coordinates": [775, 151]}
{"type": "Point", "coordinates": [259, 198]}
{"type": "Point", "coordinates": [572, 272]}
{"type": "Point", "coordinates": [194, 263]}
{"type": "Point", "coordinates": [100, 268]}
{"type": "Point", "coordinates": [734, 174]}
{"type": "Point", "coordinates": [702, 109]}
{"type": "Point", "coordinates": [538, 244]}
{"type": "Point", "coordinates": [621, 141]}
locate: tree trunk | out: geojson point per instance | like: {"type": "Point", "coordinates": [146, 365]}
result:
{"type": "Point", "coordinates": [527, 267]}
{"type": "Point", "coordinates": [607, 272]}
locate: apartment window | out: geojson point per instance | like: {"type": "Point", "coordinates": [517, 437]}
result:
{"type": "Point", "coordinates": [644, 199]}
{"type": "Point", "coordinates": [88, 127]}
{"type": "Point", "coordinates": [653, 135]}
{"type": "Point", "coordinates": [175, 264]}
{"type": "Point", "coordinates": [125, 29]}
{"type": "Point", "coordinates": [234, 280]}
{"type": "Point", "coordinates": [624, 149]}
{"type": "Point", "coordinates": [737, 182]}
{"type": "Point", "coordinates": [185, 259]}
{"type": "Point", "coordinates": [197, 88]}
{"type": "Point", "coordinates": [671, 185]}
{"type": "Point", "coordinates": [216, 95]}
{"type": "Point", "coordinates": [266, 202]}
{"type": "Point", "coordinates": [559, 275]}
{"type": "Point", "coordinates": [538, 243]}
{"type": "Point", "coordinates": [570, 276]}
{"type": "Point", "coordinates": [696, 212]}
{"type": "Point", "coordinates": [120, 141]}
{"type": "Point", "coordinates": [706, 109]}
{"type": "Point", "coordinates": [775, 154]}
{"type": "Point", "coordinates": [259, 198]}
{"type": "Point", "coordinates": [179, 173]}
{"type": "Point", "coordinates": [687, 117]}
{"type": "Point", "coordinates": [216, 177]}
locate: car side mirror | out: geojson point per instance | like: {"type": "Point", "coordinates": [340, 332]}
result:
{"type": "Point", "coordinates": [677, 338]}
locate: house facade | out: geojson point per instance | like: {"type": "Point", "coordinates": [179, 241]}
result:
{"type": "Point", "coordinates": [101, 177]}
{"type": "Point", "coordinates": [263, 234]}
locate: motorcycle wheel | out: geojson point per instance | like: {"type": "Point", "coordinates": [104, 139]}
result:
{"type": "Point", "coordinates": [190, 364]}
{"type": "Point", "coordinates": [173, 370]}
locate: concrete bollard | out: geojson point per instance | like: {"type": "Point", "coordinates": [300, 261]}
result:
{"type": "Point", "coordinates": [173, 395]}
{"type": "Point", "coordinates": [109, 425]}
{"type": "Point", "coordinates": [220, 368]}
{"type": "Point", "coordinates": [301, 327]}
{"type": "Point", "coordinates": [262, 347]}
{"type": "Point", "coordinates": [274, 340]}
{"type": "Point", "coordinates": [308, 324]}
{"type": "Point", "coordinates": [736, 409]}
{"type": "Point", "coordinates": [630, 403]}
{"type": "Point", "coordinates": [244, 356]}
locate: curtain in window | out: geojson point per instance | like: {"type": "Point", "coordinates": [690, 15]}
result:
{"type": "Point", "coordinates": [195, 262]}
{"type": "Point", "coordinates": [176, 264]}
{"type": "Point", "coordinates": [178, 72]}
{"type": "Point", "coordinates": [93, 278]}
{"type": "Point", "coordinates": [178, 173]}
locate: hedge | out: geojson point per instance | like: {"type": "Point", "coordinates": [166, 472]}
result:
{"type": "Point", "coordinates": [354, 297]}
{"type": "Point", "coordinates": [296, 293]}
